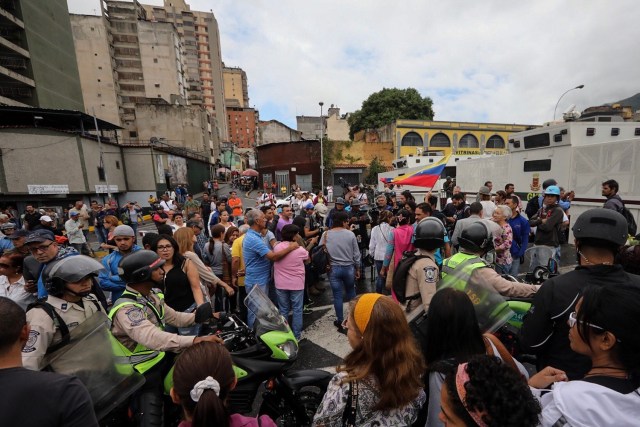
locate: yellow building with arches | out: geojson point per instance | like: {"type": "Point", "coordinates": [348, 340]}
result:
{"type": "Point", "coordinates": [416, 137]}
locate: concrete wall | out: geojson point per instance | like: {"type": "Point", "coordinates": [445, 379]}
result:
{"type": "Point", "coordinates": [140, 164]}
{"type": "Point", "coordinates": [309, 126]}
{"type": "Point", "coordinates": [181, 126]}
{"type": "Point", "coordinates": [97, 77]}
{"type": "Point", "coordinates": [53, 58]}
{"type": "Point", "coordinates": [337, 128]}
{"type": "Point", "coordinates": [274, 131]}
{"type": "Point", "coordinates": [40, 156]}
{"type": "Point", "coordinates": [363, 152]}
{"type": "Point", "coordinates": [160, 57]}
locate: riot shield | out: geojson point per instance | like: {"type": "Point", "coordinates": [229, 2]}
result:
{"type": "Point", "coordinates": [89, 356]}
{"type": "Point", "coordinates": [492, 310]}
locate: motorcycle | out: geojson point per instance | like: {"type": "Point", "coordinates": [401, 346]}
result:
{"type": "Point", "coordinates": [265, 355]}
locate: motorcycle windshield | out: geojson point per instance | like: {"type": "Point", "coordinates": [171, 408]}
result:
{"type": "Point", "coordinates": [492, 310]}
{"type": "Point", "coordinates": [268, 317]}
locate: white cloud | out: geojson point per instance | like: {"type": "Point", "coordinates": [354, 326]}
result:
{"type": "Point", "coordinates": [492, 61]}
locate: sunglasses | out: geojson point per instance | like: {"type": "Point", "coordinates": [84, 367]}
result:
{"type": "Point", "coordinates": [573, 319]}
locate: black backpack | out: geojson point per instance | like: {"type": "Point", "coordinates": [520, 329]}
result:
{"type": "Point", "coordinates": [400, 274]}
{"type": "Point", "coordinates": [632, 227]}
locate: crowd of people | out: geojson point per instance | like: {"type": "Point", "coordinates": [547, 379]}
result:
{"type": "Point", "coordinates": [422, 348]}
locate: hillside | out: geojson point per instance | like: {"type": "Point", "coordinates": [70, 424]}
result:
{"type": "Point", "coordinates": [633, 101]}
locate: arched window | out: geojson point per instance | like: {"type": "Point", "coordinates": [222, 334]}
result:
{"type": "Point", "coordinates": [411, 139]}
{"type": "Point", "coordinates": [439, 140]}
{"type": "Point", "coordinates": [468, 141]}
{"type": "Point", "coordinates": [495, 141]}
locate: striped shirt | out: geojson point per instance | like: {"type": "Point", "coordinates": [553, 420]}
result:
{"type": "Point", "coordinates": [257, 267]}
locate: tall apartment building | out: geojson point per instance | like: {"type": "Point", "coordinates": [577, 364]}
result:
{"type": "Point", "coordinates": [242, 126]}
{"type": "Point", "coordinates": [37, 59]}
{"type": "Point", "coordinates": [236, 87]}
{"type": "Point", "coordinates": [202, 55]}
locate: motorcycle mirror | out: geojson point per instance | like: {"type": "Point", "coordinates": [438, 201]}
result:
{"type": "Point", "coordinates": [204, 312]}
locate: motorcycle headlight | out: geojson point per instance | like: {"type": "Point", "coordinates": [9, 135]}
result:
{"type": "Point", "coordinates": [289, 348]}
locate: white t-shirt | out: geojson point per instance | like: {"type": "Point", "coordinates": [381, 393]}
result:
{"type": "Point", "coordinates": [16, 292]}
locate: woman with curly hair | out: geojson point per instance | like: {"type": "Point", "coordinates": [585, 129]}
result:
{"type": "Point", "coordinates": [380, 382]}
{"type": "Point", "coordinates": [485, 392]}
{"type": "Point", "coordinates": [203, 377]}
{"type": "Point", "coordinates": [603, 328]}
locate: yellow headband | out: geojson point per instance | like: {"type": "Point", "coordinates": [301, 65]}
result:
{"type": "Point", "coordinates": [362, 310]}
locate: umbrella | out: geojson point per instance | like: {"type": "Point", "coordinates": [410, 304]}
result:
{"type": "Point", "coordinates": [223, 170]}
{"type": "Point", "coordinates": [250, 172]}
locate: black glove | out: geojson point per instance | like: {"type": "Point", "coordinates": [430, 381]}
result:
{"type": "Point", "coordinates": [204, 312]}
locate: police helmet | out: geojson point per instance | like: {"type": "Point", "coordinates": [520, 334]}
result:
{"type": "Point", "coordinates": [602, 224]}
{"type": "Point", "coordinates": [70, 269]}
{"type": "Point", "coordinates": [138, 266]}
{"type": "Point", "coordinates": [429, 234]}
{"type": "Point", "coordinates": [476, 238]}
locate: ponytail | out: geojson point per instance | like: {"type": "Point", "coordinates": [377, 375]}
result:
{"type": "Point", "coordinates": [210, 411]}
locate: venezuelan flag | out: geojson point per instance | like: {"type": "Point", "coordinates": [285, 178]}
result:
{"type": "Point", "coordinates": [426, 177]}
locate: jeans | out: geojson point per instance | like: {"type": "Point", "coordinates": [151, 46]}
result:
{"type": "Point", "coordinates": [101, 234]}
{"type": "Point", "coordinates": [339, 276]}
{"type": "Point", "coordinates": [503, 268]}
{"type": "Point", "coordinates": [380, 280]}
{"type": "Point", "coordinates": [134, 225]}
{"type": "Point", "coordinates": [251, 317]}
{"type": "Point", "coordinates": [515, 267]}
{"type": "Point", "coordinates": [291, 301]}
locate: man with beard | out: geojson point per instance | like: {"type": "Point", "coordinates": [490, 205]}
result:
{"type": "Point", "coordinates": [381, 205]}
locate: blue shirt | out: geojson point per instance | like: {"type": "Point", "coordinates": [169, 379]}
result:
{"type": "Point", "coordinates": [257, 267]}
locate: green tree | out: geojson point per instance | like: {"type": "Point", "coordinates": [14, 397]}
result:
{"type": "Point", "coordinates": [373, 170]}
{"type": "Point", "coordinates": [383, 107]}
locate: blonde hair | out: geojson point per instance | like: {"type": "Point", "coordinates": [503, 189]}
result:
{"type": "Point", "coordinates": [184, 238]}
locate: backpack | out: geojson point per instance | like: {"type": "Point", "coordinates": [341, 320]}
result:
{"type": "Point", "coordinates": [400, 274]}
{"type": "Point", "coordinates": [632, 227]}
{"type": "Point", "coordinates": [533, 206]}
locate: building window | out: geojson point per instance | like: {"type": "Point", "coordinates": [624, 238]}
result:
{"type": "Point", "coordinates": [133, 134]}
{"type": "Point", "coordinates": [411, 139]}
{"type": "Point", "coordinates": [440, 140]}
{"type": "Point", "coordinates": [495, 141]}
{"type": "Point", "coordinates": [117, 164]}
{"type": "Point", "coordinates": [468, 141]}
{"type": "Point", "coordinates": [157, 85]}
{"type": "Point", "coordinates": [155, 60]}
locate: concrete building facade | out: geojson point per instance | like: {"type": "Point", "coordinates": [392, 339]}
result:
{"type": "Point", "coordinates": [200, 37]}
{"type": "Point", "coordinates": [37, 59]}
{"type": "Point", "coordinates": [336, 126]}
{"type": "Point", "coordinates": [275, 131]}
{"type": "Point", "coordinates": [309, 126]}
{"type": "Point", "coordinates": [236, 87]}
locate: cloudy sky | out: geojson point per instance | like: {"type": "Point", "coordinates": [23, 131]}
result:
{"type": "Point", "coordinates": [492, 60]}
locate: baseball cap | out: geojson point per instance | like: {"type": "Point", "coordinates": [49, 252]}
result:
{"type": "Point", "coordinates": [484, 190]}
{"type": "Point", "coordinates": [46, 218]}
{"type": "Point", "coordinates": [74, 213]}
{"type": "Point", "coordinates": [356, 202]}
{"type": "Point", "coordinates": [40, 236]}
{"type": "Point", "coordinates": [308, 205]}
{"type": "Point", "coordinates": [7, 226]}
{"type": "Point", "coordinates": [18, 234]}
{"type": "Point", "coordinates": [340, 201]}
{"type": "Point", "coordinates": [123, 231]}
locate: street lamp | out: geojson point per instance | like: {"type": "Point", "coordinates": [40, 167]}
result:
{"type": "Point", "coordinates": [556, 109]}
{"type": "Point", "coordinates": [321, 150]}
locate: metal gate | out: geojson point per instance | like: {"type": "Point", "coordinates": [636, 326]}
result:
{"type": "Point", "coordinates": [266, 179]}
{"type": "Point", "coordinates": [282, 179]}
{"type": "Point", "coordinates": [304, 182]}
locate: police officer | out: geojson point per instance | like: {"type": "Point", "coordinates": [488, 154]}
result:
{"type": "Point", "coordinates": [468, 267]}
{"type": "Point", "coordinates": [139, 317]}
{"type": "Point", "coordinates": [68, 282]}
{"type": "Point", "coordinates": [424, 273]}
{"type": "Point", "coordinates": [599, 233]}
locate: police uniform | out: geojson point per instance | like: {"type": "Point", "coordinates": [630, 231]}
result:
{"type": "Point", "coordinates": [466, 268]}
{"type": "Point", "coordinates": [44, 332]}
{"type": "Point", "coordinates": [138, 324]}
{"type": "Point", "coordinates": [421, 281]}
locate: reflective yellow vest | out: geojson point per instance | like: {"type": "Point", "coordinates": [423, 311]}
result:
{"type": "Point", "coordinates": [457, 270]}
{"type": "Point", "coordinates": [141, 358]}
